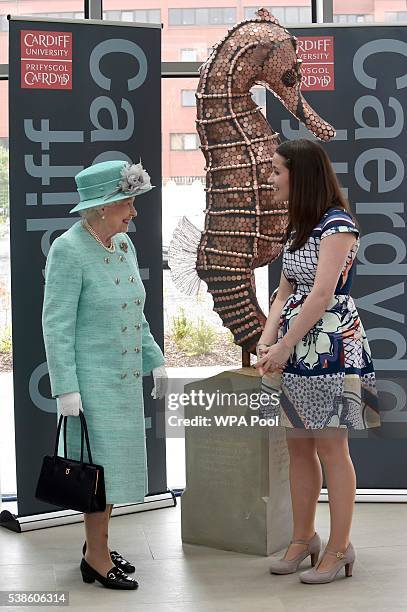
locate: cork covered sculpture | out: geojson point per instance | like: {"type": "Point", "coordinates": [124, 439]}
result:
{"type": "Point", "coordinates": [244, 227]}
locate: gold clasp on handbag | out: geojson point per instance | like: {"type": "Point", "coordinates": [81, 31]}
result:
{"type": "Point", "coordinates": [67, 470]}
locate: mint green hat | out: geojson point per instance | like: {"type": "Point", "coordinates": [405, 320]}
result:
{"type": "Point", "coordinates": [109, 182]}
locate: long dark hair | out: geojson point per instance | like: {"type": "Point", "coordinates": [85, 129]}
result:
{"type": "Point", "coordinates": [314, 187]}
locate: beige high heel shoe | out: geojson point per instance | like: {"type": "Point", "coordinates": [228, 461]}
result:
{"type": "Point", "coordinates": [282, 566]}
{"type": "Point", "coordinates": [344, 559]}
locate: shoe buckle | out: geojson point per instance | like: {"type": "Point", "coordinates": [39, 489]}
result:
{"type": "Point", "coordinates": [340, 555]}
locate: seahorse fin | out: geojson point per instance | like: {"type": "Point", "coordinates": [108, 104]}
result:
{"type": "Point", "coordinates": [265, 14]}
{"type": "Point", "coordinates": [182, 256]}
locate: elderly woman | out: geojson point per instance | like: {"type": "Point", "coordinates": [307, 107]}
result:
{"type": "Point", "coordinates": [99, 346]}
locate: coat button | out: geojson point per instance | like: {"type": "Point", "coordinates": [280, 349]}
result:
{"type": "Point", "coordinates": [117, 281]}
{"type": "Point", "coordinates": [137, 349]}
{"type": "Point", "coordinates": [138, 302]}
{"type": "Point", "coordinates": [131, 279]}
{"type": "Point", "coordinates": [136, 374]}
{"type": "Point", "coordinates": [107, 260]}
{"type": "Point", "coordinates": [124, 352]}
{"type": "Point", "coordinates": [121, 258]}
{"type": "Point", "coordinates": [123, 376]}
{"type": "Point", "coordinates": [124, 327]}
{"type": "Point", "coordinates": [124, 306]}
{"type": "Point", "coordinates": [138, 326]}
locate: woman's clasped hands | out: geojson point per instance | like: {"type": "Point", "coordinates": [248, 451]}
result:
{"type": "Point", "coordinates": [272, 358]}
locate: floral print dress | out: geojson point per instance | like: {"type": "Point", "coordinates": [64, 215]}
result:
{"type": "Point", "coordinates": [329, 379]}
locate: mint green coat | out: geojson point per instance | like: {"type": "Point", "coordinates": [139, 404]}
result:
{"type": "Point", "coordinates": [99, 343]}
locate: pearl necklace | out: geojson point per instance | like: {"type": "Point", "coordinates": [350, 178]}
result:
{"type": "Point", "coordinates": [110, 249]}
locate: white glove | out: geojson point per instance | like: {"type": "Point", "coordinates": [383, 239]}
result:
{"type": "Point", "coordinates": [70, 404]}
{"type": "Point", "coordinates": [160, 377]}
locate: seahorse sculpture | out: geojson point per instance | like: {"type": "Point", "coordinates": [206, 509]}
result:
{"type": "Point", "coordinates": [244, 226]}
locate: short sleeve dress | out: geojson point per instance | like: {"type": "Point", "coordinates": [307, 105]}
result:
{"type": "Point", "coordinates": [329, 379]}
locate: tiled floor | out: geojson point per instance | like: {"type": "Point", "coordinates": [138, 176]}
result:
{"type": "Point", "coordinates": [175, 577]}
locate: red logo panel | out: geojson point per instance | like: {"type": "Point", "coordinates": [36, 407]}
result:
{"type": "Point", "coordinates": [46, 60]}
{"type": "Point", "coordinates": [317, 54]}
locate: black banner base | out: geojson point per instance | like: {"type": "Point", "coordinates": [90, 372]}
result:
{"type": "Point", "coordinates": [19, 524]}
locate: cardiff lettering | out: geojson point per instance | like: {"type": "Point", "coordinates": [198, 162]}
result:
{"type": "Point", "coordinates": [46, 40]}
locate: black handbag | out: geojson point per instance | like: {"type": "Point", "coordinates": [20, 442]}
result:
{"type": "Point", "coordinates": [72, 484]}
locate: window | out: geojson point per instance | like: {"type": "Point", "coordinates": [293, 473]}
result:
{"type": "Point", "coordinates": [352, 18]}
{"type": "Point", "coordinates": [188, 180]}
{"type": "Point", "coordinates": [191, 142]}
{"type": "Point", "coordinates": [285, 14]}
{"type": "Point", "coordinates": [7, 446]}
{"type": "Point", "coordinates": [112, 15]}
{"type": "Point", "coordinates": [139, 16]}
{"type": "Point", "coordinates": [259, 96]}
{"type": "Point", "coordinates": [222, 16]}
{"type": "Point", "coordinates": [176, 142]}
{"type": "Point", "coordinates": [174, 16]}
{"type": "Point", "coordinates": [3, 23]}
{"type": "Point", "coordinates": [127, 16]}
{"type": "Point", "coordinates": [202, 16]}
{"type": "Point", "coordinates": [148, 16]}
{"type": "Point", "coordinates": [60, 15]}
{"type": "Point", "coordinates": [206, 22]}
{"type": "Point", "coordinates": [361, 11]}
{"type": "Point", "coordinates": [395, 16]}
{"type": "Point", "coordinates": [181, 16]}
{"type": "Point", "coordinates": [184, 142]}
{"type": "Point", "coordinates": [189, 55]}
{"type": "Point", "coordinates": [188, 97]}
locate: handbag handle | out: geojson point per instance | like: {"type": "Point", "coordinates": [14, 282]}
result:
{"type": "Point", "coordinates": [84, 430]}
{"type": "Point", "coordinates": [65, 443]}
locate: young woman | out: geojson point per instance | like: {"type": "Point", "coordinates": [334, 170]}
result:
{"type": "Point", "coordinates": [314, 336]}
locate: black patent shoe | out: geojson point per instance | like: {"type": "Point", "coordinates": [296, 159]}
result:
{"type": "Point", "coordinates": [121, 563]}
{"type": "Point", "coordinates": [118, 560]}
{"type": "Point", "coordinates": [115, 579]}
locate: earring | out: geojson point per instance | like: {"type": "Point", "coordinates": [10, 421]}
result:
{"type": "Point", "coordinates": [103, 216]}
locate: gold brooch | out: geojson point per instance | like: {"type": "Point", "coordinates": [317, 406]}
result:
{"type": "Point", "coordinates": [124, 246]}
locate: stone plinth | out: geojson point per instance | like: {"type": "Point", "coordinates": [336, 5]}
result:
{"type": "Point", "coordinates": [237, 493]}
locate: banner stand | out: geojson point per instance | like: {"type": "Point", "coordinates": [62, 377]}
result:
{"type": "Point", "coordinates": [352, 78]}
{"type": "Point", "coordinates": [164, 500]}
{"type": "Point", "coordinates": [19, 524]}
{"type": "Point", "coordinates": [115, 72]}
